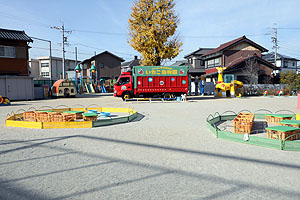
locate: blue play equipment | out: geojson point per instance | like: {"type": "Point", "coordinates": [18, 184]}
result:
{"type": "Point", "coordinates": [101, 82]}
{"type": "Point", "coordinates": [78, 81]}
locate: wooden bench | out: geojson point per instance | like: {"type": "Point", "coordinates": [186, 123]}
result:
{"type": "Point", "coordinates": [90, 116]}
{"type": "Point", "coordinates": [276, 118]}
{"type": "Point", "coordinates": [292, 123]}
{"type": "Point", "coordinates": [282, 132]}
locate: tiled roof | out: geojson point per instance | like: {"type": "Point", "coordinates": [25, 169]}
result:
{"type": "Point", "coordinates": [230, 43]}
{"type": "Point", "coordinates": [14, 35]}
{"type": "Point", "coordinates": [134, 62]}
{"type": "Point", "coordinates": [104, 52]}
{"type": "Point", "coordinates": [238, 61]}
{"type": "Point", "coordinates": [180, 63]}
{"type": "Point", "coordinates": [271, 56]}
{"type": "Point", "coordinates": [199, 52]}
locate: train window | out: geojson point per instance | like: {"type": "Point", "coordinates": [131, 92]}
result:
{"type": "Point", "coordinates": [60, 91]}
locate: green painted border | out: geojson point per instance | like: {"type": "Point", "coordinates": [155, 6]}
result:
{"type": "Point", "coordinates": [286, 145]}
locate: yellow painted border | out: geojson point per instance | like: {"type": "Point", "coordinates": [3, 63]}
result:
{"type": "Point", "coordinates": [11, 121]}
{"type": "Point", "coordinates": [24, 124]}
{"type": "Point", "coordinates": [83, 124]}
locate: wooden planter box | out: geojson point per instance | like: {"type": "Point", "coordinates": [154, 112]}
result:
{"type": "Point", "coordinates": [292, 123]}
{"type": "Point", "coordinates": [90, 116]}
{"type": "Point", "coordinates": [243, 123]}
{"type": "Point", "coordinates": [77, 114]}
{"type": "Point", "coordinates": [61, 117]}
{"type": "Point", "coordinates": [282, 132]}
{"type": "Point", "coordinates": [29, 116]}
{"type": "Point", "coordinates": [43, 116]}
{"type": "Point", "coordinates": [276, 118]}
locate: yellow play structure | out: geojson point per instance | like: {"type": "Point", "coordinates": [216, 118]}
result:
{"type": "Point", "coordinates": [229, 87]}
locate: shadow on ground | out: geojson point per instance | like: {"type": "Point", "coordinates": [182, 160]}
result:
{"type": "Point", "coordinates": [9, 191]}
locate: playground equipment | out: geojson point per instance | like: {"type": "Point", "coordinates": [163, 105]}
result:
{"type": "Point", "coordinates": [102, 85]}
{"type": "Point", "coordinates": [4, 101]}
{"type": "Point", "coordinates": [94, 74]}
{"type": "Point", "coordinates": [202, 86]}
{"type": "Point", "coordinates": [82, 117]}
{"type": "Point", "coordinates": [254, 128]}
{"type": "Point", "coordinates": [78, 79]}
{"type": "Point", "coordinates": [63, 88]}
{"type": "Point", "coordinates": [279, 93]}
{"type": "Point", "coordinates": [229, 87]}
{"type": "Point", "coordinates": [266, 93]}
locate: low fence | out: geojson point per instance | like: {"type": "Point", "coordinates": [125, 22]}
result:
{"type": "Point", "coordinates": [213, 120]}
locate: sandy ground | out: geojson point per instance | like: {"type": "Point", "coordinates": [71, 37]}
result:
{"type": "Point", "coordinates": [167, 154]}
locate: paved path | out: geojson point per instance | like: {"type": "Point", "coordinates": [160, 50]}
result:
{"type": "Point", "coordinates": [168, 154]}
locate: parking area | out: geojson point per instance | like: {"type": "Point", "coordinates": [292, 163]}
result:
{"type": "Point", "coordinates": [167, 153]}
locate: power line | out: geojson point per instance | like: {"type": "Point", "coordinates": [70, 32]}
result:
{"type": "Point", "coordinates": [289, 28]}
{"type": "Point", "coordinates": [99, 32]}
{"type": "Point", "coordinates": [42, 48]}
{"type": "Point", "coordinates": [286, 47]}
{"type": "Point", "coordinates": [24, 19]}
{"type": "Point", "coordinates": [102, 49]}
{"type": "Point", "coordinates": [227, 36]}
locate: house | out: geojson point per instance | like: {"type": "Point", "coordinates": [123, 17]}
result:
{"type": "Point", "coordinates": [15, 82]}
{"type": "Point", "coordinates": [127, 66]}
{"type": "Point", "coordinates": [235, 55]}
{"type": "Point", "coordinates": [283, 62]}
{"type": "Point", "coordinates": [108, 65]}
{"type": "Point", "coordinates": [46, 68]}
{"type": "Point", "coordinates": [14, 52]}
{"type": "Point", "coordinates": [196, 61]}
{"type": "Point", "coordinates": [181, 63]}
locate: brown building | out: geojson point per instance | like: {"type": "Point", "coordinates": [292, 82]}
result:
{"type": "Point", "coordinates": [14, 52]}
{"type": "Point", "coordinates": [107, 64]}
{"type": "Point", "coordinates": [234, 55]}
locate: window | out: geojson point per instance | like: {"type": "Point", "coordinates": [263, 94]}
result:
{"type": "Point", "coordinates": [285, 64]}
{"type": "Point", "coordinates": [7, 51]}
{"type": "Point", "coordinates": [44, 64]}
{"type": "Point", "coordinates": [201, 62]}
{"type": "Point", "coordinates": [124, 80]}
{"type": "Point", "coordinates": [293, 63]}
{"type": "Point", "coordinates": [101, 65]}
{"type": "Point", "coordinates": [45, 74]}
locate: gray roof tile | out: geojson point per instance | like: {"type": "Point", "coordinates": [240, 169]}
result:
{"type": "Point", "coordinates": [14, 35]}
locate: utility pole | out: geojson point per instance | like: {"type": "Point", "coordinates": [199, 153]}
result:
{"type": "Point", "coordinates": [64, 41]}
{"type": "Point", "coordinates": [75, 56]}
{"type": "Point", "coordinates": [275, 41]}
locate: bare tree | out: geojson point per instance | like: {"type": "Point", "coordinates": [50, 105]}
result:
{"type": "Point", "coordinates": [251, 71]}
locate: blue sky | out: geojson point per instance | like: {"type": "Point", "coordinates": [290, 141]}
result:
{"type": "Point", "coordinates": [203, 23]}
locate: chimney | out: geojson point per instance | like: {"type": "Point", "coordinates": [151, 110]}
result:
{"type": "Point", "coordinates": [135, 57]}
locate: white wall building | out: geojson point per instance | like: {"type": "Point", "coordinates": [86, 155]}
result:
{"type": "Point", "coordinates": [285, 63]}
{"type": "Point", "coordinates": [44, 68]}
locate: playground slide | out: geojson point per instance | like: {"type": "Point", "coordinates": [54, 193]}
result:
{"type": "Point", "coordinates": [91, 88]}
{"type": "Point", "coordinates": [86, 87]}
{"type": "Point", "coordinates": [95, 88]}
{"type": "Point", "coordinates": [103, 89]}
{"type": "Point", "coordinates": [99, 87]}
